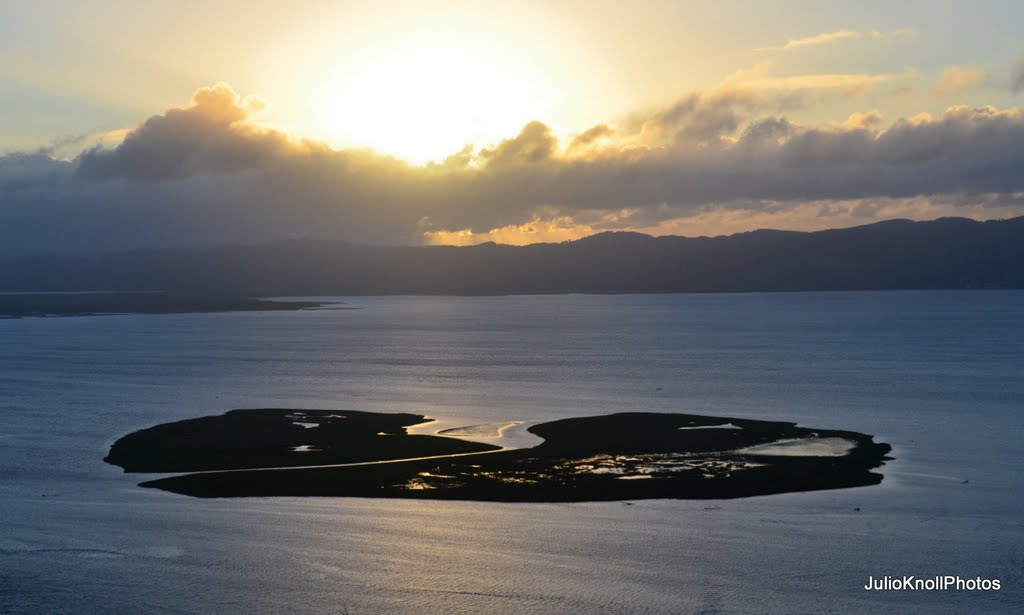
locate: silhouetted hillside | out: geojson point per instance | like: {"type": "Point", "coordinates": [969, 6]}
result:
{"type": "Point", "coordinates": [899, 254]}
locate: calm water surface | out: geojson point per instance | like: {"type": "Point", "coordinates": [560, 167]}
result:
{"type": "Point", "coordinates": [936, 374]}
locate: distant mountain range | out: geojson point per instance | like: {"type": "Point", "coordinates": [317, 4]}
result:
{"type": "Point", "coordinates": [898, 254]}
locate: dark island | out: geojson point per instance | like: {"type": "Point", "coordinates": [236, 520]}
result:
{"type": "Point", "coordinates": [269, 438]}
{"type": "Point", "coordinates": [279, 452]}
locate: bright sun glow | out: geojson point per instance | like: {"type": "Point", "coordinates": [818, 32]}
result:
{"type": "Point", "coordinates": [426, 102]}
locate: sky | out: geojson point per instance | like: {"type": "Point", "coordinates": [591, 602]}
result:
{"type": "Point", "coordinates": [144, 124]}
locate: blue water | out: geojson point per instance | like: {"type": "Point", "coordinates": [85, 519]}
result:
{"type": "Point", "coordinates": [939, 375]}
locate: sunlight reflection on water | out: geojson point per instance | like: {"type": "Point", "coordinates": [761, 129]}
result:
{"type": "Point", "coordinates": [934, 374]}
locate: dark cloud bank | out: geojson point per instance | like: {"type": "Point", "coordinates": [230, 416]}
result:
{"type": "Point", "coordinates": [207, 175]}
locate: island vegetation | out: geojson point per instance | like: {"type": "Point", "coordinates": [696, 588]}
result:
{"type": "Point", "coordinates": [626, 456]}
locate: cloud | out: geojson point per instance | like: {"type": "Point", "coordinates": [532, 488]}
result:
{"type": "Point", "coordinates": [816, 39]}
{"type": "Point", "coordinates": [760, 79]}
{"type": "Point", "coordinates": [534, 143]}
{"type": "Point", "coordinates": [816, 215]}
{"type": "Point", "coordinates": [21, 171]}
{"type": "Point", "coordinates": [869, 120]}
{"type": "Point", "coordinates": [537, 230]}
{"type": "Point", "coordinates": [212, 135]}
{"type": "Point", "coordinates": [956, 79]}
{"type": "Point", "coordinates": [208, 174]}
{"type": "Point", "coordinates": [825, 38]}
{"type": "Point", "coordinates": [847, 83]}
{"type": "Point", "coordinates": [1017, 77]}
{"type": "Point", "coordinates": [591, 137]}
{"type": "Point", "coordinates": [706, 118]}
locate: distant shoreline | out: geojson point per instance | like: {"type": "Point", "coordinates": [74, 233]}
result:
{"type": "Point", "coordinates": [949, 253]}
{"type": "Point", "coordinates": [59, 304]}
{"type": "Point", "coordinates": [108, 303]}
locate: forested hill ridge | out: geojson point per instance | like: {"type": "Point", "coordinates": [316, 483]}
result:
{"type": "Point", "coordinates": [897, 254]}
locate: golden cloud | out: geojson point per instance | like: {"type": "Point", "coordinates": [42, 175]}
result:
{"type": "Point", "coordinates": [956, 79]}
{"type": "Point", "coordinates": [839, 35]}
{"type": "Point", "coordinates": [208, 173]}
